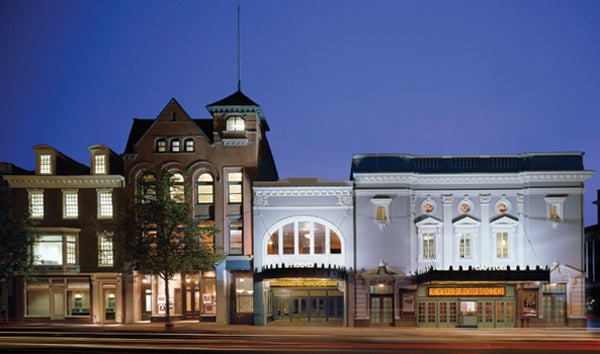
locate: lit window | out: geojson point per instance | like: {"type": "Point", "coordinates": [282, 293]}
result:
{"type": "Point", "coordinates": [36, 204]}
{"type": "Point", "coordinates": [189, 145]}
{"type": "Point", "coordinates": [45, 164]}
{"type": "Point", "coordinates": [304, 238]}
{"type": "Point", "coordinates": [70, 205]}
{"type": "Point", "coordinates": [464, 245]}
{"type": "Point", "coordinates": [381, 214]}
{"type": "Point", "coordinates": [55, 250]}
{"type": "Point", "coordinates": [161, 145]}
{"type": "Point", "coordinates": [176, 188]}
{"type": "Point", "coordinates": [174, 145]}
{"type": "Point", "coordinates": [555, 209]}
{"type": "Point", "coordinates": [105, 205]}
{"type": "Point", "coordinates": [501, 244]}
{"type": "Point", "coordinates": [100, 164]}
{"type": "Point", "coordinates": [147, 188]}
{"type": "Point", "coordinates": [105, 249]}
{"type": "Point", "coordinates": [204, 185]}
{"type": "Point", "coordinates": [236, 123]}
{"type": "Point", "coordinates": [381, 206]}
{"type": "Point", "coordinates": [235, 237]}
{"type": "Point", "coordinates": [429, 245]}
{"type": "Point", "coordinates": [234, 179]}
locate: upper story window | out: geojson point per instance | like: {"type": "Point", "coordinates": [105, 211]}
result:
{"type": "Point", "coordinates": [235, 123]}
{"type": "Point", "coordinates": [504, 232]}
{"type": "Point", "coordinates": [105, 204]}
{"type": "Point", "coordinates": [100, 165]}
{"type": "Point", "coordinates": [70, 204]}
{"type": "Point", "coordinates": [428, 245]}
{"type": "Point", "coordinates": [464, 245]}
{"type": "Point", "coordinates": [45, 164]}
{"type": "Point", "coordinates": [234, 182]}
{"type": "Point", "coordinates": [105, 249]}
{"type": "Point", "coordinates": [55, 250]}
{"type": "Point", "coordinates": [189, 145]}
{"type": "Point", "coordinates": [428, 230]}
{"type": "Point", "coordinates": [381, 208]}
{"type": "Point", "coordinates": [161, 145]}
{"type": "Point", "coordinates": [176, 187]}
{"type": "Point", "coordinates": [236, 240]}
{"type": "Point", "coordinates": [205, 189]}
{"type": "Point", "coordinates": [555, 209]}
{"type": "Point", "coordinates": [207, 239]}
{"type": "Point", "coordinates": [502, 245]}
{"type": "Point", "coordinates": [175, 145]}
{"type": "Point", "coordinates": [304, 237]}
{"type": "Point", "coordinates": [36, 204]}
{"type": "Point", "coordinates": [147, 188]}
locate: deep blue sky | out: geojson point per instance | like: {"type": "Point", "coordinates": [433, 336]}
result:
{"type": "Point", "coordinates": [334, 78]}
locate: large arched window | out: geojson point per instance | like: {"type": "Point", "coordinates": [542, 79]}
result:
{"type": "Point", "coordinates": [205, 189]}
{"type": "Point", "coordinates": [147, 187]}
{"type": "Point", "coordinates": [176, 187]}
{"type": "Point", "coordinates": [304, 237]}
{"type": "Point", "coordinates": [235, 123]}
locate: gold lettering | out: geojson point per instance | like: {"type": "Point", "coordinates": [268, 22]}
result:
{"type": "Point", "coordinates": [467, 291]}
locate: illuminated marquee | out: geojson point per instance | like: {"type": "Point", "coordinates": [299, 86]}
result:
{"type": "Point", "coordinates": [304, 283]}
{"type": "Point", "coordinates": [469, 291]}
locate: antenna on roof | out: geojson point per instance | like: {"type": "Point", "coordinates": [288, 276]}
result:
{"type": "Point", "coordinates": [239, 63]}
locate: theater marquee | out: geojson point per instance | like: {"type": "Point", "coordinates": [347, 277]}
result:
{"type": "Point", "coordinates": [468, 291]}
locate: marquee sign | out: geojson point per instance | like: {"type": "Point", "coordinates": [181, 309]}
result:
{"type": "Point", "coordinates": [468, 291]}
{"type": "Point", "coordinates": [303, 283]}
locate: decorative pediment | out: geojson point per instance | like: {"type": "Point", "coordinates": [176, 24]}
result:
{"type": "Point", "coordinates": [428, 221]}
{"type": "Point", "coordinates": [465, 221]}
{"type": "Point", "coordinates": [504, 221]}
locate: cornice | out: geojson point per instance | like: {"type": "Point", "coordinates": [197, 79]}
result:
{"type": "Point", "coordinates": [479, 178]}
{"type": "Point", "coordinates": [344, 194]}
{"type": "Point", "coordinates": [43, 181]}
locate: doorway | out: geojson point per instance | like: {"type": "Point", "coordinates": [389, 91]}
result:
{"type": "Point", "coordinates": [382, 310]}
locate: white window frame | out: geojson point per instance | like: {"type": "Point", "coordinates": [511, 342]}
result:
{"type": "Point", "coordinates": [70, 206]}
{"type": "Point", "coordinates": [105, 210]}
{"type": "Point", "coordinates": [235, 123]}
{"type": "Point", "coordinates": [427, 227]}
{"type": "Point", "coordinates": [235, 196]}
{"type": "Point", "coordinates": [381, 211]}
{"type": "Point", "coordinates": [555, 209]}
{"type": "Point", "coordinates": [466, 225]}
{"type": "Point", "coordinates": [506, 225]}
{"type": "Point", "coordinates": [36, 203]}
{"type": "Point", "coordinates": [46, 165]}
{"type": "Point", "coordinates": [100, 164]}
{"type": "Point", "coordinates": [69, 249]}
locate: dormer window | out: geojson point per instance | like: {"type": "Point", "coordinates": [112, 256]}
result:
{"type": "Point", "coordinates": [45, 164]}
{"type": "Point", "coordinates": [235, 123]}
{"type": "Point", "coordinates": [100, 164]}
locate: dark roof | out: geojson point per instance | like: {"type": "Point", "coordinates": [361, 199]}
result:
{"type": "Point", "coordinates": [7, 168]}
{"type": "Point", "coordinates": [235, 99]}
{"type": "Point", "coordinates": [398, 163]}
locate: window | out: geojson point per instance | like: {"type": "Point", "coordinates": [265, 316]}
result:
{"type": "Point", "coordinates": [70, 204]}
{"type": "Point", "coordinates": [105, 204]}
{"type": "Point", "coordinates": [105, 249]}
{"type": "Point", "coordinates": [147, 188]}
{"type": "Point", "coordinates": [55, 250]}
{"type": "Point", "coordinates": [235, 123]}
{"type": "Point", "coordinates": [304, 237]}
{"type": "Point", "coordinates": [174, 145]}
{"type": "Point", "coordinates": [464, 245]}
{"type": "Point", "coordinates": [205, 188]}
{"type": "Point", "coordinates": [45, 164]}
{"type": "Point", "coordinates": [381, 206]}
{"type": "Point", "coordinates": [244, 289]}
{"type": "Point", "coordinates": [501, 244]}
{"type": "Point", "coordinates": [554, 209]}
{"type": "Point", "coordinates": [207, 239]}
{"type": "Point", "coordinates": [235, 237]}
{"type": "Point", "coordinates": [176, 187]}
{"type": "Point", "coordinates": [234, 180]}
{"type": "Point", "coordinates": [36, 204]}
{"type": "Point", "coordinates": [161, 145]}
{"type": "Point", "coordinates": [99, 164]}
{"type": "Point", "coordinates": [189, 145]}
{"type": "Point", "coordinates": [429, 245]}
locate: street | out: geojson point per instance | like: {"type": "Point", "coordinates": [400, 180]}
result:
{"type": "Point", "coordinates": [207, 338]}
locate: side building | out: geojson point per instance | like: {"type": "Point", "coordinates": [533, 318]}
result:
{"type": "Point", "coordinates": [213, 163]}
{"type": "Point", "coordinates": [303, 250]}
{"type": "Point", "coordinates": [78, 259]}
{"type": "Point", "coordinates": [592, 267]}
{"type": "Point", "coordinates": [474, 241]}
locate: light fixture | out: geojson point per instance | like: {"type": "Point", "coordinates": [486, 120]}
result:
{"type": "Point", "coordinates": [78, 295]}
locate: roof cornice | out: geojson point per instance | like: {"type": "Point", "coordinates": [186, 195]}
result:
{"type": "Point", "coordinates": [470, 178]}
{"type": "Point", "coordinates": [42, 181]}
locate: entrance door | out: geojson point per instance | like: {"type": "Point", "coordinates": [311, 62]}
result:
{"type": "Point", "coordinates": [109, 305]}
{"type": "Point", "coordinates": [382, 310]}
{"type": "Point", "coordinates": [59, 305]}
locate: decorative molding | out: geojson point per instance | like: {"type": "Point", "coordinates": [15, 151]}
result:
{"type": "Point", "coordinates": [344, 197]}
{"type": "Point", "coordinates": [91, 181]}
{"type": "Point", "coordinates": [235, 142]}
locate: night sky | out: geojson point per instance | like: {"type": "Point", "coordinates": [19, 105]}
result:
{"type": "Point", "coordinates": [334, 78]}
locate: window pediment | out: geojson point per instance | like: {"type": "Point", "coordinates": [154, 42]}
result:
{"type": "Point", "coordinates": [465, 221]}
{"type": "Point", "coordinates": [428, 221]}
{"type": "Point", "coordinates": [504, 221]}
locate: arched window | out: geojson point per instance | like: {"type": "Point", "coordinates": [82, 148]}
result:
{"type": "Point", "coordinates": [176, 187]}
{"type": "Point", "coordinates": [147, 188]}
{"type": "Point", "coordinates": [235, 123]}
{"type": "Point", "coordinates": [205, 189]}
{"type": "Point", "coordinates": [304, 237]}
